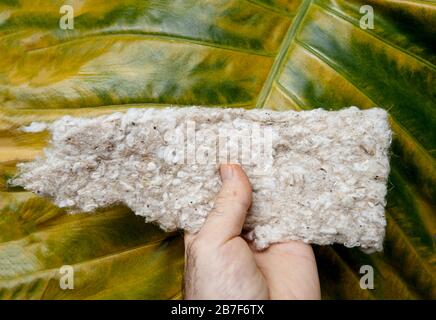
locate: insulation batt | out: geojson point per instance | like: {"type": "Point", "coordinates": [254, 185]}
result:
{"type": "Point", "coordinates": [317, 176]}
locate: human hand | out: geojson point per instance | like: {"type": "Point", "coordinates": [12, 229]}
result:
{"type": "Point", "coordinates": [220, 264]}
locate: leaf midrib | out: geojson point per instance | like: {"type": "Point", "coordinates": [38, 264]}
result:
{"type": "Point", "coordinates": [282, 53]}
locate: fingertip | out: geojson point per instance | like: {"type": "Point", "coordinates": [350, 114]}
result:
{"type": "Point", "coordinates": [226, 172]}
{"type": "Point", "coordinates": [235, 175]}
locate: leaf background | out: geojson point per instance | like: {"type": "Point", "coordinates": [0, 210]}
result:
{"type": "Point", "coordinates": [273, 54]}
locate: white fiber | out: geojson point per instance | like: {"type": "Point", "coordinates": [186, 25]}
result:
{"type": "Point", "coordinates": [319, 176]}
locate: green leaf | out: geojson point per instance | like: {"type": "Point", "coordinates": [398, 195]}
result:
{"type": "Point", "coordinates": [240, 53]}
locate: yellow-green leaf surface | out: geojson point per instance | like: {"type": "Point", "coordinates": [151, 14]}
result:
{"type": "Point", "coordinates": [275, 54]}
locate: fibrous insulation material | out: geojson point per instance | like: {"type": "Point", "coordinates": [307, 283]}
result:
{"type": "Point", "coordinates": [317, 176]}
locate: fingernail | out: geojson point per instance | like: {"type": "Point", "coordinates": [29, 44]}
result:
{"type": "Point", "coordinates": [226, 172]}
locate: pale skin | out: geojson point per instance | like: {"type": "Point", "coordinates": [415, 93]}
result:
{"type": "Point", "coordinates": [220, 264]}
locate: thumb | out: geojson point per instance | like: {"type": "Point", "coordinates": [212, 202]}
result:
{"type": "Point", "coordinates": [226, 219]}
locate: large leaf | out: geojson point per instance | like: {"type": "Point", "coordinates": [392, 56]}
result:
{"type": "Point", "coordinates": [241, 53]}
